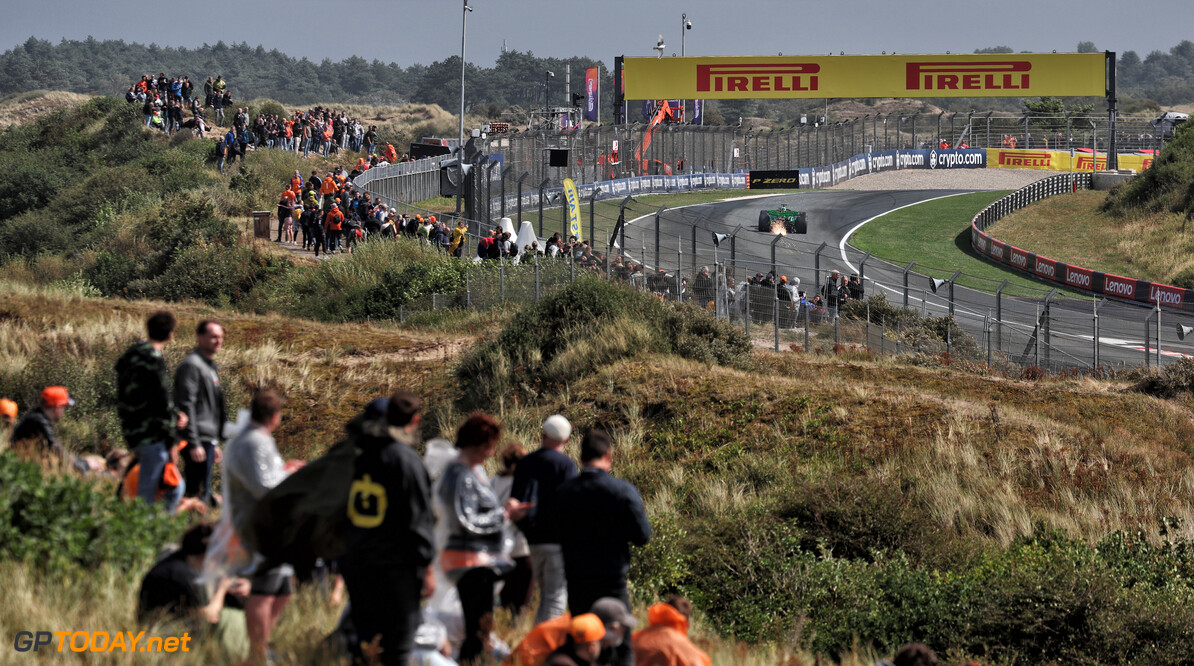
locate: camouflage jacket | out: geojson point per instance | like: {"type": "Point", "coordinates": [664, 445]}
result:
{"type": "Point", "coordinates": [144, 396]}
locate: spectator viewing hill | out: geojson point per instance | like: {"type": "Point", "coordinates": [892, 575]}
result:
{"type": "Point", "coordinates": [806, 504]}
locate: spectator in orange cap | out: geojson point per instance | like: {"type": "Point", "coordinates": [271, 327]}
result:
{"type": "Point", "coordinates": [8, 412]}
{"type": "Point", "coordinates": [583, 644]}
{"type": "Point", "coordinates": [665, 640]}
{"type": "Point", "coordinates": [36, 429]}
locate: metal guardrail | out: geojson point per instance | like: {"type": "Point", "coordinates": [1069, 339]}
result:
{"type": "Point", "coordinates": [404, 181]}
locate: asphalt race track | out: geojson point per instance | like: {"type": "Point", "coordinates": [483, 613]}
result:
{"type": "Point", "coordinates": [834, 214]}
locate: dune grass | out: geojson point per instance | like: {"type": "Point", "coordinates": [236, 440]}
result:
{"type": "Point", "coordinates": [23, 107]}
{"type": "Point", "coordinates": [747, 470]}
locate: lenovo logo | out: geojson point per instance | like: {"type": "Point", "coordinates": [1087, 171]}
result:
{"type": "Point", "coordinates": [1078, 277]}
{"type": "Point", "coordinates": [1019, 259]}
{"type": "Point", "coordinates": [997, 251]}
{"type": "Point", "coordinates": [1045, 268]}
{"type": "Point", "coordinates": [763, 77]}
{"type": "Point", "coordinates": [1025, 158]}
{"type": "Point", "coordinates": [1117, 286]}
{"type": "Point", "coordinates": [993, 75]}
{"type": "Point", "coordinates": [1158, 293]}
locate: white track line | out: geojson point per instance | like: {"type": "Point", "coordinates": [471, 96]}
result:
{"type": "Point", "coordinates": [842, 245]}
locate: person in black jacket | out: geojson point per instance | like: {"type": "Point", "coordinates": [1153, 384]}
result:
{"type": "Point", "coordinates": [391, 541]}
{"type": "Point", "coordinates": [597, 517]}
{"type": "Point", "coordinates": [536, 479]}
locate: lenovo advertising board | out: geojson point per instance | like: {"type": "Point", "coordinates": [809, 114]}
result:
{"type": "Point", "coordinates": [815, 77]}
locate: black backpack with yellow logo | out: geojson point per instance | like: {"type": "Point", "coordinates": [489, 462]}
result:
{"type": "Point", "coordinates": [306, 516]}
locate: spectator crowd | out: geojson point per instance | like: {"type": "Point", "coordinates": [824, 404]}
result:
{"type": "Point", "coordinates": [427, 542]}
{"type": "Point", "coordinates": [166, 101]}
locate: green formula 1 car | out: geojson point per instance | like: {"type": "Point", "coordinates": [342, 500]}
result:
{"type": "Point", "coordinates": [792, 221]}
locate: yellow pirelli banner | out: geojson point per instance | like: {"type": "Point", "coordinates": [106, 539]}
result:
{"type": "Point", "coordinates": [1059, 160]}
{"type": "Point", "coordinates": [785, 77]}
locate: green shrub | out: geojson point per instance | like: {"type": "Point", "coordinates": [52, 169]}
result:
{"type": "Point", "coordinates": [1167, 185]}
{"type": "Point", "coordinates": [28, 235]}
{"type": "Point", "coordinates": [61, 523]}
{"type": "Point", "coordinates": [1170, 381]}
{"type": "Point", "coordinates": [1184, 278]}
{"type": "Point", "coordinates": [583, 326]}
{"type": "Point", "coordinates": [371, 283]}
{"type": "Point", "coordinates": [853, 520]}
{"type": "Point", "coordinates": [400, 286]}
{"type": "Point", "coordinates": [661, 567]}
{"type": "Point", "coordinates": [112, 273]}
{"type": "Point", "coordinates": [265, 105]}
{"type": "Point", "coordinates": [216, 274]}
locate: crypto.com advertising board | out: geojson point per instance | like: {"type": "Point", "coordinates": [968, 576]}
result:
{"type": "Point", "coordinates": [815, 77]}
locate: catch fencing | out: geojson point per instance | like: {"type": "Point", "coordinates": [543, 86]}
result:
{"type": "Point", "coordinates": [923, 309]}
{"type": "Point", "coordinates": [601, 153]}
{"type": "Point", "coordinates": [598, 153]}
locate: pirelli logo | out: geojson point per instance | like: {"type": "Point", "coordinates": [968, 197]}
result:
{"type": "Point", "coordinates": [993, 75]}
{"type": "Point", "coordinates": [1086, 162]}
{"type": "Point", "coordinates": [761, 77]}
{"type": "Point", "coordinates": [1025, 158]}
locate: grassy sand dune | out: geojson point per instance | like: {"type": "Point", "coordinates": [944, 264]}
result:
{"type": "Point", "coordinates": [24, 107]}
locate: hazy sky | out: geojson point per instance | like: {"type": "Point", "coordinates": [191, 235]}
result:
{"type": "Point", "coordinates": [410, 31]}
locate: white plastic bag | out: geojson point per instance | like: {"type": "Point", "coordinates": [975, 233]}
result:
{"type": "Point", "coordinates": [226, 556]}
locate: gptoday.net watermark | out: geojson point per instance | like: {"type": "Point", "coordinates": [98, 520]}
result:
{"type": "Point", "coordinates": [98, 641]}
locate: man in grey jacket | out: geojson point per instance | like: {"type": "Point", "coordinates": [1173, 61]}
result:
{"type": "Point", "coordinates": [199, 395]}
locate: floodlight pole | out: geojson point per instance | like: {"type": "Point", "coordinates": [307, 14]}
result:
{"type": "Point", "coordinates": [460, 139]}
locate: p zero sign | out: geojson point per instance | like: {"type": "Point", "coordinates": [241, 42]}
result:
{"type": "Point", "coordinates": [774, 180]}
{"type": "Point", "coordinates": [816, 77]}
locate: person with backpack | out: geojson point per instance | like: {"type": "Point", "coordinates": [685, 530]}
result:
{"type": "Point", "coordinates": [391, 542]}
{"type": "Point", "coordinates": [334, 221]}
{"type": "Point", "coordinates": [145, 404]}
